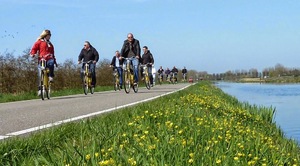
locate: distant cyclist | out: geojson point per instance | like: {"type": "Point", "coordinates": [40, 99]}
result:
{"type": "Point", "coordinates": [44, 49]}
{"type": "Point", "coordinates": [184, 73]}
{"type": "Point", "coordinates": [131, 49]}
{"type": "Point", "coordinates": [147, 58]}
{"type": "Point", "coordinates": [117, 63]}
{"type": "Point", "coordinates": [175, 71]}
{"type": "Point", "coordinates": [167, 73]}
{"type": "Point", "coordinates": [160, 72]}
{"type": "Point", "coordinates": [89, 53]}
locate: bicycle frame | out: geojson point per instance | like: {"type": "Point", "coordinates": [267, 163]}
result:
{"type": "Point", "coordinates": [184, 77]}
{"type": "Point", "coordinates": [128, 76]}
{"type": "Point", "coordinates": [45, 84]}
{"type": "Point", "coordinates": [173, 78]}
{"type": "Point", "coordinates": [87, 80]}
{"type": "Point", "coordinates": [160, 78]}
{"type": "Point", "coordinates": [146, 76]}
{"type": "Point", "coordinates": [116, 79]}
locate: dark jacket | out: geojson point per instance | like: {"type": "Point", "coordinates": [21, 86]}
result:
{"type": "Point", "coordinates": [135, 48]}
{"type": "Point", "coordinates": [184, 71]}
{"type": "Point", "coordinates": [160, 71]}
{"type": "Point", "coordinates": [86, 55]}
{"type": "Point", "coordinates": [113, 62]}
{"type": "Point", "coordinates": [174, 70]}
{"type": "Point", "coordinates": [147, 58]}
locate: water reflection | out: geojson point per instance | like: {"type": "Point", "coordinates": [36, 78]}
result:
{"type": "Point", "coordinates": [284, 97]}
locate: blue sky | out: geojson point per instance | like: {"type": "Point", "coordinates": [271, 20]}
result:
{"type": "Point", "coordinates": [204, 35]}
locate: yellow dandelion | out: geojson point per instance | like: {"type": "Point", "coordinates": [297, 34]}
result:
{"type": "Point", "coordinates": [191, 161]}
{"type": "Point", "coordinates": [218, 161]}
{"type": "Point", "coordinates": [96, 154]}
{"type": "Point", "coordinates": [191, 155]}
{"type": "Point", "coordinates": [180, 131]}
{"type": "Point", "coordinates": [130, 124]}
{"type": "Point", "coordinates": [235, 158]}
{"type": "Point", "coordinates": [88, 157]}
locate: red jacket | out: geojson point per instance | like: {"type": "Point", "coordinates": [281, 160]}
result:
{"type": "Point", "coordinates": [44, 48]}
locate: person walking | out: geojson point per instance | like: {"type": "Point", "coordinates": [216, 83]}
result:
{"type": "Point", "coordinates": [117, 63]}
{"type": "Point", "coordinates": [89, 53]}
{"type": "Point", "coordinates": [147, 59]}
{"type": "Point", "coordinates": [44, 49]}
{"type": "Point", "coordinates": [131, 49]}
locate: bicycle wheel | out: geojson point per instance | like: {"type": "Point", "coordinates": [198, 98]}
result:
{"type": "Point", "coordinates": [48, 90]}
{"type": "Point", "coordinates": [160, 80]}
{"type": "Point", "coordinates": [92, 90]}
{"type": "Point", "coordinates": [135, 87]}
{"type": "Point", "coordinates": [116, 84]}
{"type": "Point", "coordinates": [42, 87]}
{"type": "Point", "coordinates": [85, 85]}
{"type": "Point", "coordinates": [147, 82]}
{"type": "Point", "coordinates": [126, 80]}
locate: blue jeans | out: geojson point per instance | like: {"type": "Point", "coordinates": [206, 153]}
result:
{"type": "Point", "coordinates": [92, 70]}
{"type": "Point", "coordinates": [120, 72]}
{"type": "Point", "coordinates": [135, 64]}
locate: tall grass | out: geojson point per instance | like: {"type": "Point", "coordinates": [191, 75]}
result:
{"type": "Point", "coordinates": [197, 126]}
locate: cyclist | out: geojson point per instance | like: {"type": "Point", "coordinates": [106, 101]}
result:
{"type": "Point", "coordinates": [147, 58]}
{"type": "Point", "coordinates": [184, 72]}
{"type": "Point", "coordinates": [167, 73]}
{"type": "Point", "coordinates": [175, 71]}
{"type": "Point", "coordinates": [89, 53]}
{"type": "Point", "coordinates": [45, 49]}
{"type": "Point", "coordinates": [160, 72]}
{"type": "Point", "coordinates": [131, 49]}
{"type": "Point", "coordinates": [117, 63]}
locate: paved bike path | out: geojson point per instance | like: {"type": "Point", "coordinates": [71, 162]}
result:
{"type": "Point", "coordinates": [17, 118]}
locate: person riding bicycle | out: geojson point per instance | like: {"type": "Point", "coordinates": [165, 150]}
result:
{"type": "Point", "coordinates": [160, 72]}
{"type": "Point", "coordinates": [167, 73]}
{"type": "Point", "coordinates": [89, 53]}
{"type": "Point", "coordinates": [131, 49]}
{"type": "Point", "coordinates": [45, 50]}
{"type": "Point", "coordinates": [147, 59]}
{"type": "Point", "coordinates": [117, 63]}
{"type": "Point", "coordinates": [175, 71]}
{"type": "Point", "coordinates": [184, 72]}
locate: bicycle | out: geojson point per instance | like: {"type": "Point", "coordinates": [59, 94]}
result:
{"type": "Point", "coordinates": [128, 77]}
{"type": "Point", "coordinates": [146, 76]}
{"type": "Point", "coordinates": [87, 79]}
{"type": "Point", "coordinates": [45, 85]}
{"type": "Point", "coordinates": [173, 78]}
{"type": "Point", "coordinates": [184, 77]}
{"type": "Point", "coordinates": [116, 79]}
{"type": "Point", "coordinates": [160, 78]}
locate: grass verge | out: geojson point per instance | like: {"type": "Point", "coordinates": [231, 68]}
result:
{"type": "Point", "coordinates": [33, 94]}
{"type": "Point", "coordinates": [200, 125]}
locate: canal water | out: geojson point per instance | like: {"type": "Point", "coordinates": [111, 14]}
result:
{"type": "Point", "coordinates": [285, 98]}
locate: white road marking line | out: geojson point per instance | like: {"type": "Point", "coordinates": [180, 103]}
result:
{"type": "Point", "coordinates": [81, 117]}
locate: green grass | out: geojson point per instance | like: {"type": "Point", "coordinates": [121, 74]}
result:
{"type": "Point", "coordinates": [33, 94]}
{"type": "Point", "coordinates": [200, 125]}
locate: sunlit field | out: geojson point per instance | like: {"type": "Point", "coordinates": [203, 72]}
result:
{"type": "Point", "coordinates": [197, 126]}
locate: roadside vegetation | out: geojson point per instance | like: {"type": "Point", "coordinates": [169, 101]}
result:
{"type": "Point", "coordinates": [200, 125]}
{"type": "Point", "coordinates": [19, 77]}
